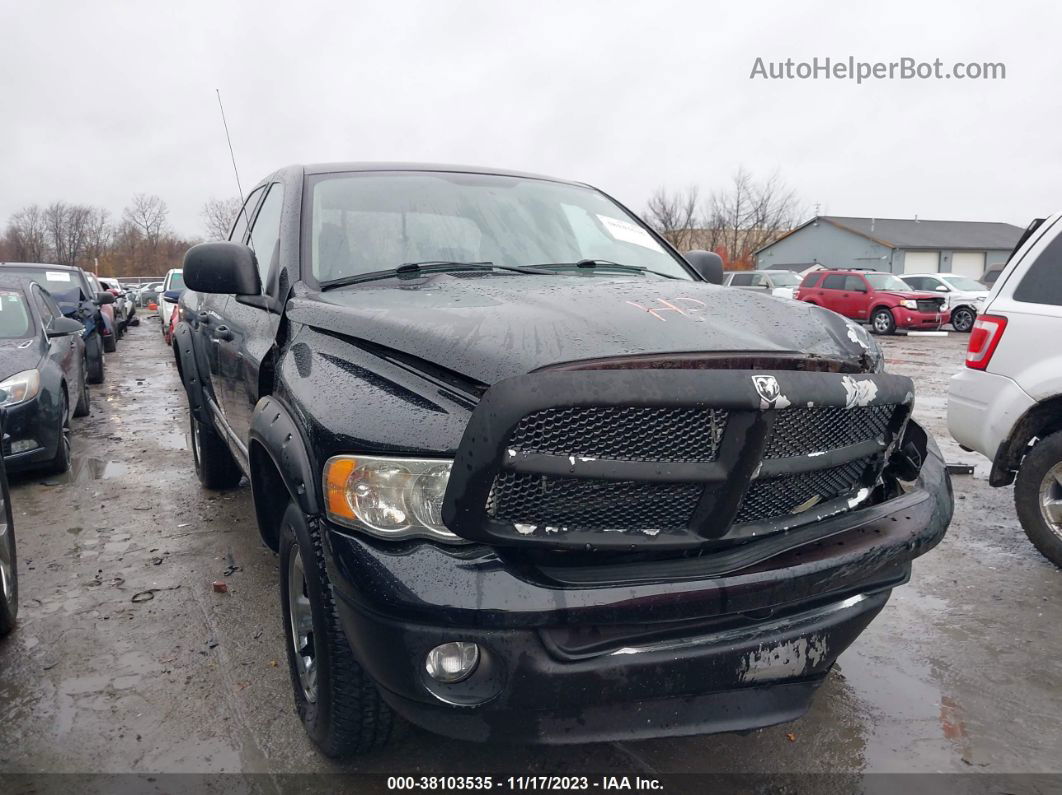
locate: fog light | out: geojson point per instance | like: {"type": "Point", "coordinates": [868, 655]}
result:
{"type": "Point", "coordinates": [24, 445]}
{"type": "Point", "coordinates": [452, 662]}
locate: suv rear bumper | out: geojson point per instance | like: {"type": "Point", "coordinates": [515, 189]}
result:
{"type": "Point", "coordinates": [983, 409]}
{"type": "Point", "coordinates": [689, 654]}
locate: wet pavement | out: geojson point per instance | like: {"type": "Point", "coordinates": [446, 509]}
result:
{"type": "Point", "coordinates": [125, 659]}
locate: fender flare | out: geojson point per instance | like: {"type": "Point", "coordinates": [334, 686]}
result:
{"type": "Point", "coordinates": [280, 436]}
{"type": "Point", "coordinates": [193, 384]}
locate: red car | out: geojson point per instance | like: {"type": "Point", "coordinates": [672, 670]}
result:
{"type": "Point", "coordinates": [880, 299]}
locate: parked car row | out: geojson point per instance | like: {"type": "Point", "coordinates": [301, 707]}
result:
{"type": "Point", "coordinates": [914, 301]}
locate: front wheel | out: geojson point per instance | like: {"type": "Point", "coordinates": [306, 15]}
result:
{"type": "Point", "coordinates": [8, 562]}
{"type": "Point", "coordinates": [340, 706]}
{"type": "Point", "coordinates": [61, 462]}
{"type": "Point", "coordinates": [82, 408]}
{"type": "Point", "coordinates": [882, 321]}
{"type": "Point", "coordinates": [94, 358]}
{"type": "Point", "coordinates": [962, 319]}
{"type": "Point", "coordinates": [1038, 497]}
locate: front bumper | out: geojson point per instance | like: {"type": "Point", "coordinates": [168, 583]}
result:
{"type": "Point", "coordinates": [905, 318]}
{"type": "Point", "coordinates": [31, 421]}
{"type": "Point", "coordinates": [669, 650]}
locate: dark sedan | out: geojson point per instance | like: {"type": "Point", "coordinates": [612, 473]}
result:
{"type": "Point", "coordinates": [77, 299]}
{"type": "Point", "coordinates": [42, 377]}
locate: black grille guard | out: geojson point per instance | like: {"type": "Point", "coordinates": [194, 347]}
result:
{"type": "Point", "coordinates": [752, 399]}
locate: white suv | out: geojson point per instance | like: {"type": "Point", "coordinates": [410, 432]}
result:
{"type": "Point", "coordinates": [966, 297]}
{"type": "Point", "coordinates": [1007, 402]}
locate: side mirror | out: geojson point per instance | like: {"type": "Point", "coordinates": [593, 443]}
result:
{"type": "Point", "coordinates": [707, 264]}
{"type": "Point", "coordinates": [172, 295]}
{"type": "Point", "coordinates": [224, 267]}
{"type": "Point", "coordinates": [942, 289]}
{"type": "Point", "coordinates": [64, 327]}
{"type": "Point", "coordinates": [104, 298]}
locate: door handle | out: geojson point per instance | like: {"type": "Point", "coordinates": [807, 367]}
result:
{"type": "Point", "coordinates": [222, 333]}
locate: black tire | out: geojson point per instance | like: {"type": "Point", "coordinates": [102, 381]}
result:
{"type": "Point", "coordinates": [343, 713]}
{"type": "Point", "coordinates": [83, 408]}
{"type": "Point", "coordinates": [61, 461]}
{"type": "Point", "coordinates": [962, 319]}
{"type": "Point", "coordinates": [119, 331]}
{"type": "Point", "coordinates": [214, 464]}
{"type": "Point", "coordinates": [94, 357]}
{"type": "Point", "coordinates": [1038, 485]}
{"type": "Point", "coordinates": [882, 321]}
{"type": "Point", "coordinates": [110, 344]}
{"type": "Point", "coordinates": [8, 562]}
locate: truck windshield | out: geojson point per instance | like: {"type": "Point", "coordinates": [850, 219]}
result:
{"type": "Point", "coordinates": [963, 283]}
{"type": "Point", "coordinates": [784, 279]}
{"type": "Point", "coordinates": [886, 281]}
{"type": "Point", "coordinates": [367, 222]}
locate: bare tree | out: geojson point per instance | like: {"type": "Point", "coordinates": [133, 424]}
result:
{"type": "Point", "coordinates": [27, 235]}
{"type": "Point", "coordinates": [219, 215]}
{"type": "Point", "coordinates": [675, 215]}
{"type": "Point", "coordinates": [67, 229]}
{"type": "Point", "coordinates": [748, 215]}
{"type": "Point", "coordinates": [98, 234]}
{"type": "Point", "coordinates": [148, 214]}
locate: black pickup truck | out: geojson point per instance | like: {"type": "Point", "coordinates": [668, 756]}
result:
{"type": "Point", "coordinates": [533, 477]}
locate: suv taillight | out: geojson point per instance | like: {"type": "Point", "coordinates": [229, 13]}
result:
{"type": "Point", "coordinates": [984, 337]}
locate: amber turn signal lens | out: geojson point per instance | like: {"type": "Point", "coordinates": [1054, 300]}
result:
{"type": "Point", "coordinates": [337, 474]}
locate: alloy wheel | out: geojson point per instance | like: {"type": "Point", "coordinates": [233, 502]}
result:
{"type": "Point", "coordinates": [1051, 499]}
{"type": "Point", "coordinates": [963, 320]}
{"type": "Point", "coordinates": [300, 620]}
{"type": "Point", "coordinates": [881, 323]}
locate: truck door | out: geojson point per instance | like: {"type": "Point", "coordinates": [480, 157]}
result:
{"type": "Point", "coordinates": [246, 335]}
{"type": "Point", "coordinates": [209, 313]}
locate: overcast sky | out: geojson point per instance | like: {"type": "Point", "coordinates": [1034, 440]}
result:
{"type": "Point", "coordinates": [102, 100]}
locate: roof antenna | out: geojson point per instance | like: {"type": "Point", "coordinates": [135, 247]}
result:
{"type": "Point", "coordinates": [229, 139]}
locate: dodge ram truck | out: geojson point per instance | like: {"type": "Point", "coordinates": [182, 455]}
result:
{"type": "Point", "coordinates": [531, 474]}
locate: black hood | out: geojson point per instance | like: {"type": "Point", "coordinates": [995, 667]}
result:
{"type": "Point", "coordinates": [489, 327]}
{"type": "Point", "coordinates": [18, 355]}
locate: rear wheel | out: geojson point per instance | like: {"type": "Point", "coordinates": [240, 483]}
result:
{"type": "Point", "coordinates": [61, 462]}
{"type": "Point", "coordinates": [339, 704]}
{"type": "Point", "coordinates": [214, 464]}
{"type": "Point", "coordinates": [962, 319]}
{"type": "Point", "coordinates": [882, 321]}
{"type": "Point", "coordinates": [82, 408]}
{"type": "Point", "coordinates": [8, 562]}
{"type": "Point", "coordinates": [94, 359]}
{"type": "Point", "coordinates": [1038, 497]}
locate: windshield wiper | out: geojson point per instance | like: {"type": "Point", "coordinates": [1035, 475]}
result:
{"type": "Point", "coordinates": [428, 266]}
{"type": "Point", "coordinates": [603, 264]}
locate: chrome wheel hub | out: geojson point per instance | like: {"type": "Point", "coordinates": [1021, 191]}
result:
{"type": "Point", "coordinates": [1051, 499]}
{"type": "Point", "coordinates": [881, 323]}
{"type": "Point", "coordinates": [300, 620]}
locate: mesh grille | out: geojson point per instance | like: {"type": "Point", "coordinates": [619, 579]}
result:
{"type": "Point", "coordinates": [930, 304]}
{"type": "Point", "coordinates": [623, 433]}
{"type": "Point", "coordinates": [779, 496]}
{"type": "Point", "coordinates": [799, 431]}
{"type": "Point", "coordinates": [591, 504]}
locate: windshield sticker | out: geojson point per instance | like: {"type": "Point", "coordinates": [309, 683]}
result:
{"type": "Point", "coordinates": [628, 232]}
{"type": "Point", "coordinates": [692, 307]}
{"type": "Point", "coordinates": [57, 276]}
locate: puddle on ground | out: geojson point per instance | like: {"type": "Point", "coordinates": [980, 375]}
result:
{"type": "Point", "coordinates": [85, 469]}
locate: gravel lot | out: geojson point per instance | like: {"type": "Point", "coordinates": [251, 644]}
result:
{"type": "Point", "coordinates": [961, 672]}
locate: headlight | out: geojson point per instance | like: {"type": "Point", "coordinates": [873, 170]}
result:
{"type": "Point", "coordinates": [388, 497]}
{"type": "Point", "coordinates": [909, 304]}
{"type": "Point", "coordinates": [21, 387]}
